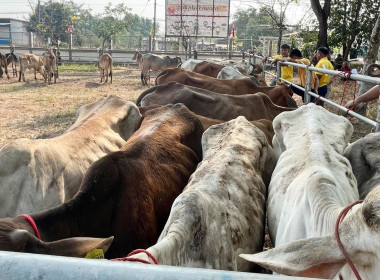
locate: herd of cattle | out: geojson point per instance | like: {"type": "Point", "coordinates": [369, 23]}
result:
{"type": "Point", "coordinates": [46, 65]}
{"type": "Point", "coordinates": [192, 172]}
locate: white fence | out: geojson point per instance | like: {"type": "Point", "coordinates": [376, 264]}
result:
{"type": "Point", "coordinates": [308, 93]}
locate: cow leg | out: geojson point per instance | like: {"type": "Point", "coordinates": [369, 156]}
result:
{"type": "Point", "coordinates": [6, 71]}
{"type": "Point", "coordinates": [106, 75]}
{"type": "Point", "coordinates": [142, 77]}
{"type": "Point", "coordinates": [49, 80]}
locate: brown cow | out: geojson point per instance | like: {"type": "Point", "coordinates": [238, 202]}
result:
{"type": "Point", "coordinates": [126, 194]}
{"type": "Point", "coordinates": [263, 124]}
{"type": "Point", "coordinates": [3, 64]}
{"type": "Point", "coordinates": [279, 94]}
{"type": "Point", "coordinates": [50, 64]}
{"type": "Point", "coordinates": [138, 57]}
{"type": "Point", "coordinates": [30, 61]}
{"type": "Point", "coordinates": [105, 63]}
{"type": "Point", "coordinates": [211, 104]}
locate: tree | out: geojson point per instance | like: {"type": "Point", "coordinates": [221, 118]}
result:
{"type": "Point", "coordinates": [113, 21]}
{"type": "Point", "coordinates": [253, 24]}
{"type": "Point", "coordinates": [322, 14]}
{"type": "Point", "coordinates": [351, 22]}
{"type": "Point", "coordinates": [51, 20]}
{"type": "Point", "coordinates": [369, 58]}
{"type": "Point", "coordinates": [278, 18]}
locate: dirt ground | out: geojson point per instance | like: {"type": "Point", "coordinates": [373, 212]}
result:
{"type": "Point", "coordinates": [33, 109]}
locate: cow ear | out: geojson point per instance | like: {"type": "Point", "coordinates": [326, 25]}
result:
{"type": "Point", "coordinates": [24, 241]}
{"type": "Point", "coordinates": [315, 258]}
{"type": "Point", "coordinates": [76, 246]}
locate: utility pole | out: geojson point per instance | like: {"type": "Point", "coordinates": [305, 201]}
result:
{"type": "Point", "coordinates": [154, 26]}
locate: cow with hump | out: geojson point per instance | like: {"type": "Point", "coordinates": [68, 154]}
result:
{"type": "Point", "coordinates": [280, 94]}
{"type": "Point", "coordinates": [310, 186]}
{"type": "Point", "coordinates": [211, 104]}
{"type": "Point", "coordinates": [37, 174]}
{"type": "Point", "coordinates": [126, 194]}
{"type": "Point", "coordinates": [221, 212]}
{"type": "Point", "coordinates": [154, 62]}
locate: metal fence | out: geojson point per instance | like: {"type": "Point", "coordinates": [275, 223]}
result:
{"type": "Point", "coordinates": [309, 93]}
{"type": "Point", "coordinates": [21, 266]}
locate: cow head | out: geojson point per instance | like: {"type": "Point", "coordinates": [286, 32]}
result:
{"type": "Point", "coordinates": [320, 256]}
{"type": "Point", "coordinates": [137, 56]}
{"type": "Point", "coordinates": [14, 237]}
{"type": "Point", "coordinates": [177, 61]}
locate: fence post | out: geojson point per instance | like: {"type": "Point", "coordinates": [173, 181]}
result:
{"type": "Point", "coordinates": [306, 96]}
{"type": "Point", "coordinates": [70, 47]}
{"type": "Point", "coordinates": [278, 74]}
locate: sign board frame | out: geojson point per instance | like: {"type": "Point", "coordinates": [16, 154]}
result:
{"type": "Point", "coordinates": [197, 18]}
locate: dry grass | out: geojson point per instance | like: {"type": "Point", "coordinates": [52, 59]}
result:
{"type": "Point", "coordinates": [36, 110]}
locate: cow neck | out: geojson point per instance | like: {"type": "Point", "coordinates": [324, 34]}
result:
{"type": "Point", "coordinates": [340, 218]}
{"type": "Point", "coordinates": [31, 222]}
{"type": "Point", "coordinates": [79, 217]}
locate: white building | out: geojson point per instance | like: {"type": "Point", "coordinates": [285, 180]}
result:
{"type": "Point", "coordinates": [13, 32]}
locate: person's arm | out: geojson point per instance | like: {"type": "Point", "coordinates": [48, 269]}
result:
{"type": "Point", "coordinates": [370, 95]}
{"type": "Point", "coordinates": [316, 84]}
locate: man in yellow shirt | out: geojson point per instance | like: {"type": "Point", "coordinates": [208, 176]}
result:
{"type": "Point", "coordinates": [296, 57]}
{"type": "Point", "coordinates": [322, 79]}
{"type": "Point", "coordinates": [286, 71]}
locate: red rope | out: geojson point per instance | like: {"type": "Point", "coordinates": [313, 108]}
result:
{"type": "Point", "coordinates": [340, 218]}
{"type": "Point", "coordinates": [32, 223]}
{"type": "Point", "coordinates": [130, 259]}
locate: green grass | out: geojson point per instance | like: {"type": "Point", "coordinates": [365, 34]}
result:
{"type": "Point", "coordinates": [77, 67]}
{"type": "Point", "coordinates": [74, 67]}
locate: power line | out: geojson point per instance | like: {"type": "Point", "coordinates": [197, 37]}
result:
{"type": "Point", "coordinates": [144, 8]}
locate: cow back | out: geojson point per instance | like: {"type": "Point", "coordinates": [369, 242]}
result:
{"type": "Point", "coordinates": [311, 173]}
{"type": "Point", "coordinates": [37, 174]}
{"type": "Point", "coordinates": [133, 189]}
{"type": "Point", "coordinates": [213, 105]}
{"type": "Point", "coordinates": [208, 68]}
{"type": "Point", "coordinates": [216, 211]}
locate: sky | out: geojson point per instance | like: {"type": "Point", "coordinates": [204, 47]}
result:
{"type": "Point", "coordinates": [20, 9]}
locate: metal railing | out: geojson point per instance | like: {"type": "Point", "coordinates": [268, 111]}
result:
{"type": "Point", "coordinates": [309, 93]}
{"type": "Point", "coordinates": [21, 266]}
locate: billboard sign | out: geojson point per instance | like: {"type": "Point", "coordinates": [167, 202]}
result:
{"type": "Point", "coordinates": [197, 18]}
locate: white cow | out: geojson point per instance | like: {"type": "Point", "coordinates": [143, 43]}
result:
{"type": "Point", "coordinates": [321, 256]}
{"type": "Point", "coordinates": [189, 64]}
{"type": "Point", "coordinates": [221, 212]}
{"type": "Point", "coordinates": [41, 173]}
{"type": "Point", "coordinates": [364, 156]}
{"type": "Point", "coordinates": [312, 181]}
{"type": "Point", "coordinates": [230, 72]}
{"type": "Point", "coordinates": [309, 143]}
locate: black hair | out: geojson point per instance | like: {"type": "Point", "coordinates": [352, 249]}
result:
{"type": "Point", "coordinates": [285, 46]}
{"type": "Point", "coordinates": [295, 52]}
{"type": "Point", "coordinates": [323, 50]}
